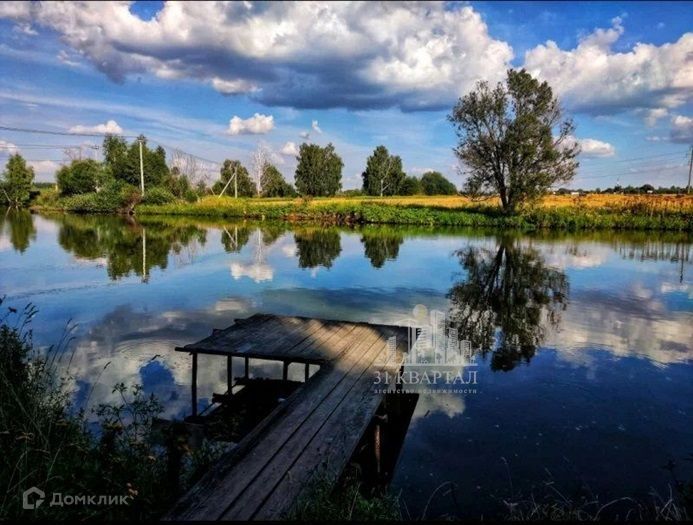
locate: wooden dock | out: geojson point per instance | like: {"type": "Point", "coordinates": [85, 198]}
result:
{"type": "Point", "coordinates": [311, 435]}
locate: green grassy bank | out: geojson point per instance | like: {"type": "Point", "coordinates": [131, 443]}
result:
{"type": "Point", "coordinates": [345, 212]}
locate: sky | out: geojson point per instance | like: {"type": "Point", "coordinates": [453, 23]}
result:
{"type": "Point", "coordinates": [217, 80]}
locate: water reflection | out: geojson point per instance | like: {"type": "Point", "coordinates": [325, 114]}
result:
{"type": "Point", "coordinates": [18, 225]}
{"type": "Point", "coordinates": [506, 301]}
{"type": "Point", "coordinates": [126, 246]}
{"type": "Point", "coordinates": [317, 247]}
{"type": "Point", "coordinates": [381, 245]}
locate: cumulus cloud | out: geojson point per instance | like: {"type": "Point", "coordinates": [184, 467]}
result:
{"type": "Point", "coordinates": [681, 129]}
{"type": "Point", "coordinates": [596, 148]}
{"type": "Point", "coordinates": [111, 127]}
{"type": "Point", "coordinates": [290, 149]}
{"type": "Point", "coordinates": [315, 127]}
{"type": "Point", "coordinates": [8, 147]}
{"type": "Point", "coordinates": [592, 147]}
{"type": "Point", "coordinates": [258, 124]}
{"type": "Point", "coordinates": [44, 169]}
{"type": "Point", "coordinates": [594, 78]}
{"type": "Point", "coordinates": [301, 54]}
{"type": "Point", "coordinates": [304, 135]}
{"type": "Point", "coordinates": [653, 115]}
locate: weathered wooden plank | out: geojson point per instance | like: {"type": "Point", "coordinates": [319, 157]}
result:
{"type": "Point", "coordinates": [239, 331]}
{"type": "Point", "coordinates": [295, 445]}
{"type": "Point", "coordinates": [217, 491]}
{"type": "Point", "coordinates": [321, 347]}
{"type": "Point", "coordinates": [328, 452]}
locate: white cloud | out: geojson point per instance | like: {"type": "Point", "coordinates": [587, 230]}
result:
{"type": "Point", "coordinates": [681, 129]}
{"type": "Point", "coordinates": [592, 147]}
{"type": "Point", "coordinates": [653, 115]}
{"type": "Point", "coordinates": [315, 126]}
{"type": "Point", "coordinates": [66, 59]}
{"type": "Point", "coordinates": [594, 78]}
{"type": "Point", "coordinates": [25, 29]}
{"type": "Point", "coordinates": [361, 55]}
{"type": "Point", "coordinates": [304, 135]}
{"type": "Point", "coordinates": [8, 147]}
{"type": "Point", "coordinates": [233, 87]}
{"type": "Point", "coordinates": [596, 148]}
{"type": "Point", "coordinates": [111, 127]}
{"type": "Point", "coordinates": [290, 149]}
{"type": "Point", "coordinates": [44, 169]}
{"type": "Point", "coordinates": [256, 125]}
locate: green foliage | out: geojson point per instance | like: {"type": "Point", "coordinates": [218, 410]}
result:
{"type": "Point", "coordinates": [410, 186]}
{"type": "Point", "coordinates": [158, 196]}
{"type": "Point", "coordinates": [319, 170]}
{"type": "Point", "coordinates": [274, 185]}
{"type": "Point", "coordinates": [16, 181]}
{"type": "Point", "coordinates": [178, 184]}
{"type": "Point", "coordinates": [246, 188]}
{"type": "Point", "coordinates": [433, 183]}
{"type": "Point", "coordinates": [116, 196]}
{"type": "Point", "coordinates": [124, 161]}
{"type": "Point", "coordinates": [507, 142]}
{"type": "Point", "coordinates": [346, 212]}
{"type": "Point", "coordinates": [80, 176]}
{"type": "Point", "coordinates": [383, 174]}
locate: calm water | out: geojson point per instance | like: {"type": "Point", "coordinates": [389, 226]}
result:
{"type": "Point", "coordinates": [598, 396]}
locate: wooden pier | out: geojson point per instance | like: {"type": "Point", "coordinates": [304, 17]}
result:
{"type": "Point", "coordinates": [310, 436]}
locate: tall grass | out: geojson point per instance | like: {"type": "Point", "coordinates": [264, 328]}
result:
{"type": "Point", "coordinates": [48, 443]}
{"type": "Point", "coordinates": [627, 215]}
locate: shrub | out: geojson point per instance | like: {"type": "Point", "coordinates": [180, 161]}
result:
{"type": "Point", "coordinates": [158, 196]}
{"type": "Point", "coordinates": [80, 177]}
{"type": "Point", "coordinates": [433, 183]}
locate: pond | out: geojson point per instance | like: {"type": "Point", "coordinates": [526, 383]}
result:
{"type": "Point", "coordinates": [594, 396]}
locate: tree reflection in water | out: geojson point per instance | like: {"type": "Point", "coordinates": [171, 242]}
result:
{"type": "Point", "coordinates": [508, 299]}
{"type": "Point", "coordinates": [317, 247]}
{"type": "Point", "coordinates": [21, 228]}
{"type": "Point", "coordinates": [128, 247]}
{"type": "Point", "coordinates": [381, 245]}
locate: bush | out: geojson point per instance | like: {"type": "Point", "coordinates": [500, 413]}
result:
{"type": "Point", "coordinates": [117, 196]}
{"type": "Point", "coordinates": [190, 195]}
{"type": "Point", "coordinates": [80, 177]}
{"type": "Point", "coordinates": [158, 196]}
{"type": "Point", "coordinates": [433, 183]}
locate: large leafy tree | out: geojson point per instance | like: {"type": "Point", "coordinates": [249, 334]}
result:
{"type": "Point", "coordinates": [319, 170]}
{"type": "Point", "coordinates": [246, 187]}
{"type": "Point", "coordinates": [123, 161]}
{"type": "Point", "coordinates": [513, 139]}
{"type": "Point", "coordinates": [434, 183]}
{"type": "Point", "coordinates": [410, 186]}
{"type": "Point", "coordinates": [383, 174]}
{"type": "Point", "coordinates": [16, 182]}
{"type": "Point", "coordinates": [273, 183]}
{"type": "Point", "coordinates": [81, 176]}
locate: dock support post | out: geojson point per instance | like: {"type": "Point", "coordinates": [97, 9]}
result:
{"type": "Point", "coordinates": [246, 367]}
{"type": "Point", "coordinates": [194, 384]}
{"type": "Point", "coordinates": [307, 372]}
{"type": "Point", "coordinates": [229, 375]}
{"type": "Point", "coordinates": [285, 371]}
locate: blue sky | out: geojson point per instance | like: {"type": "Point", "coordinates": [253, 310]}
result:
{"type": "Point", "coordinates": [354, 75]}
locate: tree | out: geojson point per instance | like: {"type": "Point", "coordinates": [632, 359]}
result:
{"type": "Point", "coordinates": [380, 246]}
{"type": "Point", "coordinates": [383, 174]}
{"type": "Point", "coordinates": [433, 183]}
{"type": "Point", "coordinates": [16, 181]}
{"type": "Point", "coordinates": [273, 183]}
{"type": "Point", "coordinates": [317, 247]}
{"type": "Point", "coordinates": [410, 186]}
{"type": "Point", "coordinates": [81, 176]}
{"type": "Point", "coordinates": [260, 160]}
{"type": "Point", "coordinates": [319, 170]}
{"type": "Point", "coordinates": [507, 142]}
{"type": "Point", "coordinates": [115, 151]}
{"type": "Point", "coordinates": [246, 187]}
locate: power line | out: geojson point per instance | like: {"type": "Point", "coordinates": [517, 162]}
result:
{"type": "Point", "coordinates": [64, 133]}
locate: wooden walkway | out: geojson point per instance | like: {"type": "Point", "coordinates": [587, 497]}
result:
{"type": "Point", "coordinates": [311, 435]}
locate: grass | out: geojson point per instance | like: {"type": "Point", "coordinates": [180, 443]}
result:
{"type": "Point", "coordinates": [620, 212]}
{"type": "Point", "coordinates": [47, 443]}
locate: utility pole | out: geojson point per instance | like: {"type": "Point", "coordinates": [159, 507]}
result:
{"type": "Point", "coordinates": [235, 184]}
{"type": "Point", "coordinates": [141, 168]}
{"type": "Point", "coordinates": [690, 166]}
